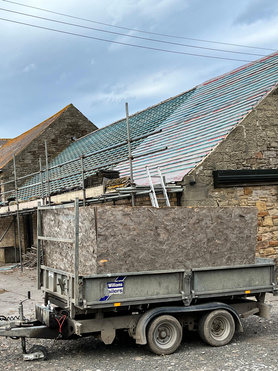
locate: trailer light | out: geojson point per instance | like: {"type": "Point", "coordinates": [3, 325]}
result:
{"type": "Point", "coordinates": [117, 304]}
{"type": "Point", "coordinates": [247, 292]}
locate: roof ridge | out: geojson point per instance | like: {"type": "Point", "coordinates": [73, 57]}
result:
{"type": "Point", "coordinates": [49, 118]}
{"type": "Point", "coordinates": [40, 124]}
{"type": "Point", "coordinates": [242, 67]}
{"type": "Point", "coordinates": [6, 157]}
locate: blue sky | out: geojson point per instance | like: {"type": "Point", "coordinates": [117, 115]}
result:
{"type": "Point", "coordinates": [42, 71]}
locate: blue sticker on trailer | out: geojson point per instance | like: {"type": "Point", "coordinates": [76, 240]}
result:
{"type": "Point", "coordinates": [114, 288]}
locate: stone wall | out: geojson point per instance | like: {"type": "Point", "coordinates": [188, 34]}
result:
{"type": "Point", "coordinates": [253, 144]}
{"type": "Point", "coordinates": [124, 239]}
{"type": "Point", "coordinates": [71, 123]}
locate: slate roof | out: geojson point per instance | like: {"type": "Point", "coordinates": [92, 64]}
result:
{"type": "Point", "coordinates": [192, 124]}
{"type": "Point", "coordinates": [16, 145]}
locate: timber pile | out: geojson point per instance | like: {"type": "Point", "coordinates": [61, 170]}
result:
{"type": "Point", "coordinates": [30, 258]}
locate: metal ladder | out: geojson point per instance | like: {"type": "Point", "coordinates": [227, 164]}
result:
{"type": "Point", "coordinates": [153, 197]}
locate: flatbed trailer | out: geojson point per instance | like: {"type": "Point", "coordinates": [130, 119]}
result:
{"type": "Point", "coordinates": [154, 306]}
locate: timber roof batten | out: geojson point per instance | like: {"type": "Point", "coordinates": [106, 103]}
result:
{"type": "Point", "coordinates": [192, 123]}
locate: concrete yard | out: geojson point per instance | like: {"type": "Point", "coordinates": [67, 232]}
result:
{"type": "Point", "coordinates": [14, 287]}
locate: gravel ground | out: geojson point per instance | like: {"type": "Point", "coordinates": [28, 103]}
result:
{"type": "Point", "coordinates": [255, 349]}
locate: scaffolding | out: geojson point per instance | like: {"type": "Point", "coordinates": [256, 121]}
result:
{"type": "Point", "coordinates": [11, 200]}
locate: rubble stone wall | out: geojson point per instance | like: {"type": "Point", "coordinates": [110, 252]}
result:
{"type": "Point", "coordinates": [253, 144]}
{"type": "Point", "coordinates": [58, 136]}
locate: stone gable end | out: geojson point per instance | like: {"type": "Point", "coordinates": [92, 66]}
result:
{"type": "Point", "coordinates": [253, 144]}
{"type": "Point", "coordinates": [58, 135]}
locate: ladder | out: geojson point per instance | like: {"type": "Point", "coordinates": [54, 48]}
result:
{"type": "Point", "coordinates": [153, 197]}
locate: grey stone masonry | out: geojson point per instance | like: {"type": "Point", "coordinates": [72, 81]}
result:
{"type": "Point", "coordinates": [58, 135]}
{"type": "Point", "coordinates": [252, 144]}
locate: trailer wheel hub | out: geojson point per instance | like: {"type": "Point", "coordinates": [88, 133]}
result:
{"type": "Point", "coordinates": [163, 334]}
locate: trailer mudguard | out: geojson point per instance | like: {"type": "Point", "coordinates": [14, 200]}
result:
{"type": "Point", "coordinates": [144, 320]}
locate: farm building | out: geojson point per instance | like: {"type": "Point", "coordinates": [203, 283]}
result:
{"type": "Point", "coordinates": [215, 144]}
{"type": "Point", "coordinates": [56, 133]}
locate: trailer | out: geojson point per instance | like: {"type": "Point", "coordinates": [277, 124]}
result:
{"type": "Point", "coordinates": [154, 307]}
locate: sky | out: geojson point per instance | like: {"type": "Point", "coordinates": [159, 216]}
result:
{"type": "Point", "coordinates": [98, 55]}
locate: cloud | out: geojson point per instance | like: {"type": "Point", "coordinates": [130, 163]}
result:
{"type": "Point", "coordinates": [160, 9]}
{"type": "Point", "coordinates": [64, 76]}
{"type": "Point", "coordinates": [97, 78]}
{"type": "Point", "coordinates": [140, 88]}
{"type": "Point", "coordinates": [122, 10]}
{"type": "Point", "coordinates": [260, 34]}
{"type": "Point", "coordinates": [29, 68]}
{"type": "Point", "coordinates": [124, 40]}
{"type": "Point", "coordinates": [258, 10]}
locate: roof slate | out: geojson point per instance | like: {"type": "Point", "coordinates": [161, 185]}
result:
{"type": "Point", "coordinates": [16, 145]}
{"type": "Point", "coordinates": [192, 124]}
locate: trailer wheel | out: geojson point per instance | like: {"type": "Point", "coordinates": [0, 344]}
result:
{"type": "Point", "coordinates": [39, 350]}
{"type": "Point", "coordinates": [164, 335]}
{"type": "Point", "coordinates": [217, 328]}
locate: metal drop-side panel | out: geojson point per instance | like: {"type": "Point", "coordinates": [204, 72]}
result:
{"type": "Point", "coordinates": [260, 277]}
{"type": "Point", "coordinates": [133, 287]}
{"type": "Point", "coordinates": [109, 290]}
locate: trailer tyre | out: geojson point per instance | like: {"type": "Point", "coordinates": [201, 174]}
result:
{"type": "Point", "coordinates": [164, 335]}
{"type": "Point", "coordinates": [39, 349]}
{"type": "Point", "coordinates": [217, 328]}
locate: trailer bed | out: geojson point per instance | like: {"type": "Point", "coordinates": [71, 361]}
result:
{"type": "Point", "coordinates": [124, 289]}
{"type": "Point", "coordinates": [153, 306]}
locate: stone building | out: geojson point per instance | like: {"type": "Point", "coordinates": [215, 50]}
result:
{"type": "Point", "coordinates": [3, 141]}
{"type": "Point", "coordinates": [242, 170]}
{"type": "Point", "coordinates": [57, 132]}
{"type": "Point", "coordinates": [217, 143]}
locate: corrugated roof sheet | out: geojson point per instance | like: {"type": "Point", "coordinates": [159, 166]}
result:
{"type": "Point", "coordinates": [16, 145]}
{"type": "Point", "coordinates": [192, 124]}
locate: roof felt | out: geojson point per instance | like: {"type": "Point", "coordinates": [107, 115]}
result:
{"type": "Point", "coordinates": [192, 124]}
{"type": "Point", "coordinates": [15, 146]}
